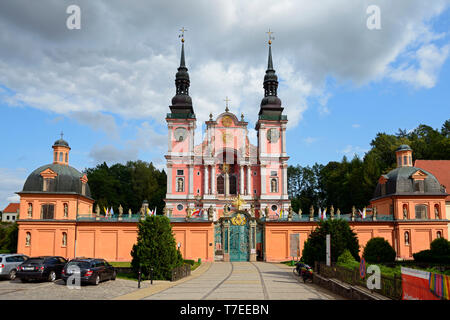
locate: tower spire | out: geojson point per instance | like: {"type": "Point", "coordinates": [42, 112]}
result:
{"type": "Point", "coordinates": [182, 102]}
{"type": "Point", "coordinates": [270, 104]}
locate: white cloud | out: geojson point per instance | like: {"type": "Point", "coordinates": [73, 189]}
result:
{"type": "Point", "coordinates": [309, 140]}
{"type": "Point", "coordinates": [356, 125]}
{"type": "Point", "coordinates": [124, 58]}
{"type": "Point", "coordinates": [429, 59]}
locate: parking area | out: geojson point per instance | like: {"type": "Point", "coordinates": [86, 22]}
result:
{"type": "Point", "coordinates": [16, 290]}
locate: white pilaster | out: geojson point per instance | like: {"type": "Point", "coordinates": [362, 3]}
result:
{"type": "Point", "coordinates": [283, 137]}
{"type": "Point", "coordinates": [191, 179]}
{"type": "Point", "coordinates": [213, 179]}
{"type": "Point", "coordinates": [263, 180]}
{"type": "Point", "coordinates": [285, 188]}
{"type": "Point", "coordinates": [241, 179]}
{"type": "Point", "coordinates": [206, 187]}
{"type": "Point", "coordinates": [169, 179]}
{"type": "Point", "coordinates": [249, 177]}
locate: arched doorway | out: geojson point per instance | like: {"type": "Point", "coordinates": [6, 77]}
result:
{"type": "Point", "coordinates": [239, 237]}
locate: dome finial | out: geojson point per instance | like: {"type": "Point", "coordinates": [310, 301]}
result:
{"type": "Point", "coordinates": [226, 104]}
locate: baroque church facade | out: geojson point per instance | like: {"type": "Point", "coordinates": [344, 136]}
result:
{"type": "Point", "coordinates": [227, 199]}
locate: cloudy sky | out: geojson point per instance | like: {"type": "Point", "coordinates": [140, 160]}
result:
{"type": "Point", "coordinates": [108, 85]}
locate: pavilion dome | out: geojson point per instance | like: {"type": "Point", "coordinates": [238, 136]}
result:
{"type": "Point", "coordinates": [399, 181]}
{"type": "Point", "coordinates": [67, 180]}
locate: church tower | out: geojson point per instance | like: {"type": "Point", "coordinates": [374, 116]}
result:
{"type": "Point", "coordinates": [181, 123]}
{"type": "Point", "coordinates": [271, 132]}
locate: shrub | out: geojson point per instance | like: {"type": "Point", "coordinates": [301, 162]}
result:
{"type": "Point", "coordinates": [342, 237]}
{"type": "Point", "coordinates": [439, 252]}
{"type": "Point", "coordinates": [346, 257]}
{"type": "Point", "coordinates": [440, 247]}
{"type": "Point", "coordinates": [379, 250]}
{"type": "Point", "coordinates": [156, 248]}
{"type": "Point", "coordinates": [190, 262]}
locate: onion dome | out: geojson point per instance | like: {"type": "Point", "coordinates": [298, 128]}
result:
{"type": "Point", "coordinates": [270, 104]}
{"type": "Point", "coordinates": [182, 102]}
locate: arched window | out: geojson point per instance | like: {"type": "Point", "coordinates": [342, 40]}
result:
{"type": "Point", "coordinates": [56, 157]}
{"type": "Point", "coordinates": [421, 211]}
{"type": "Point", "coordinates": [438, 234]}
{"type": "Point", "coordinates": [28, 239]}
{"type": "Point", "coordinates": [67, 157]}
{"type": "Point", "coordinates": [399, 161]}
{"type": "Point", "coordinates": [180, 184]}
{"type": "Point", "coordinates": [60, 157]}
{"type": "Point", "coordinates": [233, 184]}
{"type": "Point", "coordinates": [406, 238]}
{"type": "Point", "coordinates": [405, 160]}
{"type": "Point", "coordinates": [64, 239]}
{"type": "Point", "coordinates": [220, 185]}
{"type": "Point", "coordinates": [273, 185]}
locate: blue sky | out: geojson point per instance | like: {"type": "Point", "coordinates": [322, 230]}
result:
{"type": "Point", "coordinates": [109, 86]}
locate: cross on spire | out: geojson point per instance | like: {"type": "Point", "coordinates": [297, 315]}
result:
{"type": "Point", "coordinates": [270, 36]}
{"type": "Point", "coordinates": [182, 34]}
{"type": "Point", "coordinates": [226, 103]}
{"type": "Point", "coordinates": [62, 134]}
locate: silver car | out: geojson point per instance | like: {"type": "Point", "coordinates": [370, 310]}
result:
{"type": "Point", "coordinates": [9, 263]}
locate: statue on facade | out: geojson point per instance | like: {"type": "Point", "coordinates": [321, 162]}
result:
{"type": "Point", "coordinates": [436, 212]}
{"type": "Point", "coordinates": [405, 213]}
{"type": "Point", "coordinates": [120, 211]}
{"type": "Point", "coordinates": [266, 212]}
{"type": "Point", "coordinates": [353, 213]}
{"type": "Point", "coordinates": [188, 212]}
{"type": "Point", "coordinates": [210, 213]}
{"type": "Point", "coordinates": [28, 239]}
{"type": "Point", "coordinates": [165, 211]}
{"type": "Point", "coordinates": [252, 210]}
{"type": "Point", "coordinates": [97, 210]}
{"type": "Point", "coordinates": [226, 210]}
{"type": "Point", "coordinates": [300, 213]}
{"type": "Point", "coordinates": [290, 213]}
{"type": "Point", "coordinates": [66, 210]}
{"type": "Point", "coordinates": [338, 212]}
{"type": "Point", "coordinates": [64, 239]}
{"type": "Point", "coordinates": [311, 213]}
{"type": "Point", "coordinates": [142, 212]}
{"type": "Point", "coordinates": [332, 212]}
{"type": "Point", "coordinates": [374, 217]}
{"type": "Point", "coordinates": [129, 213]}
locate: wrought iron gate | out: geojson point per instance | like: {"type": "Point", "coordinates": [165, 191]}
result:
{"type": "Point", "coordinates": [239, 242]}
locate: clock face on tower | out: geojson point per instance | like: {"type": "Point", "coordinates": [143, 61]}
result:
{"type": "Point", "coordinates": [180, 134]}
{"type": "Point", "coordinates": [273, 135]}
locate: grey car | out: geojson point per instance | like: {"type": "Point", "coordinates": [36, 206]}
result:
{"type": "Point", "coordinates": [9, 263]}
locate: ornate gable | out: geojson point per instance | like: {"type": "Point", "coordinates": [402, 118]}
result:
{"type": "Point", "coordinates": [419, 175]}
{"type": "Point", "coordinates": [48, 174]}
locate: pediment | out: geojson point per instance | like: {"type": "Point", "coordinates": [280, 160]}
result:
{"type": "Point", "coordinates": [84, 179]}
{"type": "Point", "coordinates": [419, 175]}
{"type": "Point", "coordinates": [383, 179]}
{"type": "Point", "coordinates": [48, 173]}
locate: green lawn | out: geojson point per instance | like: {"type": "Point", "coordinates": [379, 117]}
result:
{"type": "Point", "coordinates": [121, 264]}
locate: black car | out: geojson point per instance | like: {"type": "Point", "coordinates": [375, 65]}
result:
{"type": "Point", "coordinates": [41, 268]}
{"type": "Point", "coordinates": [90, 270]}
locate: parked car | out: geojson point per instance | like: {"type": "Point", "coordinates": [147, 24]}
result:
{"type": "Point", "coordinates": [9, 263]}
{"type": "Point", "coordinates": [41, 268]}
{"type": "Point", "coordinates": [90, 270]}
